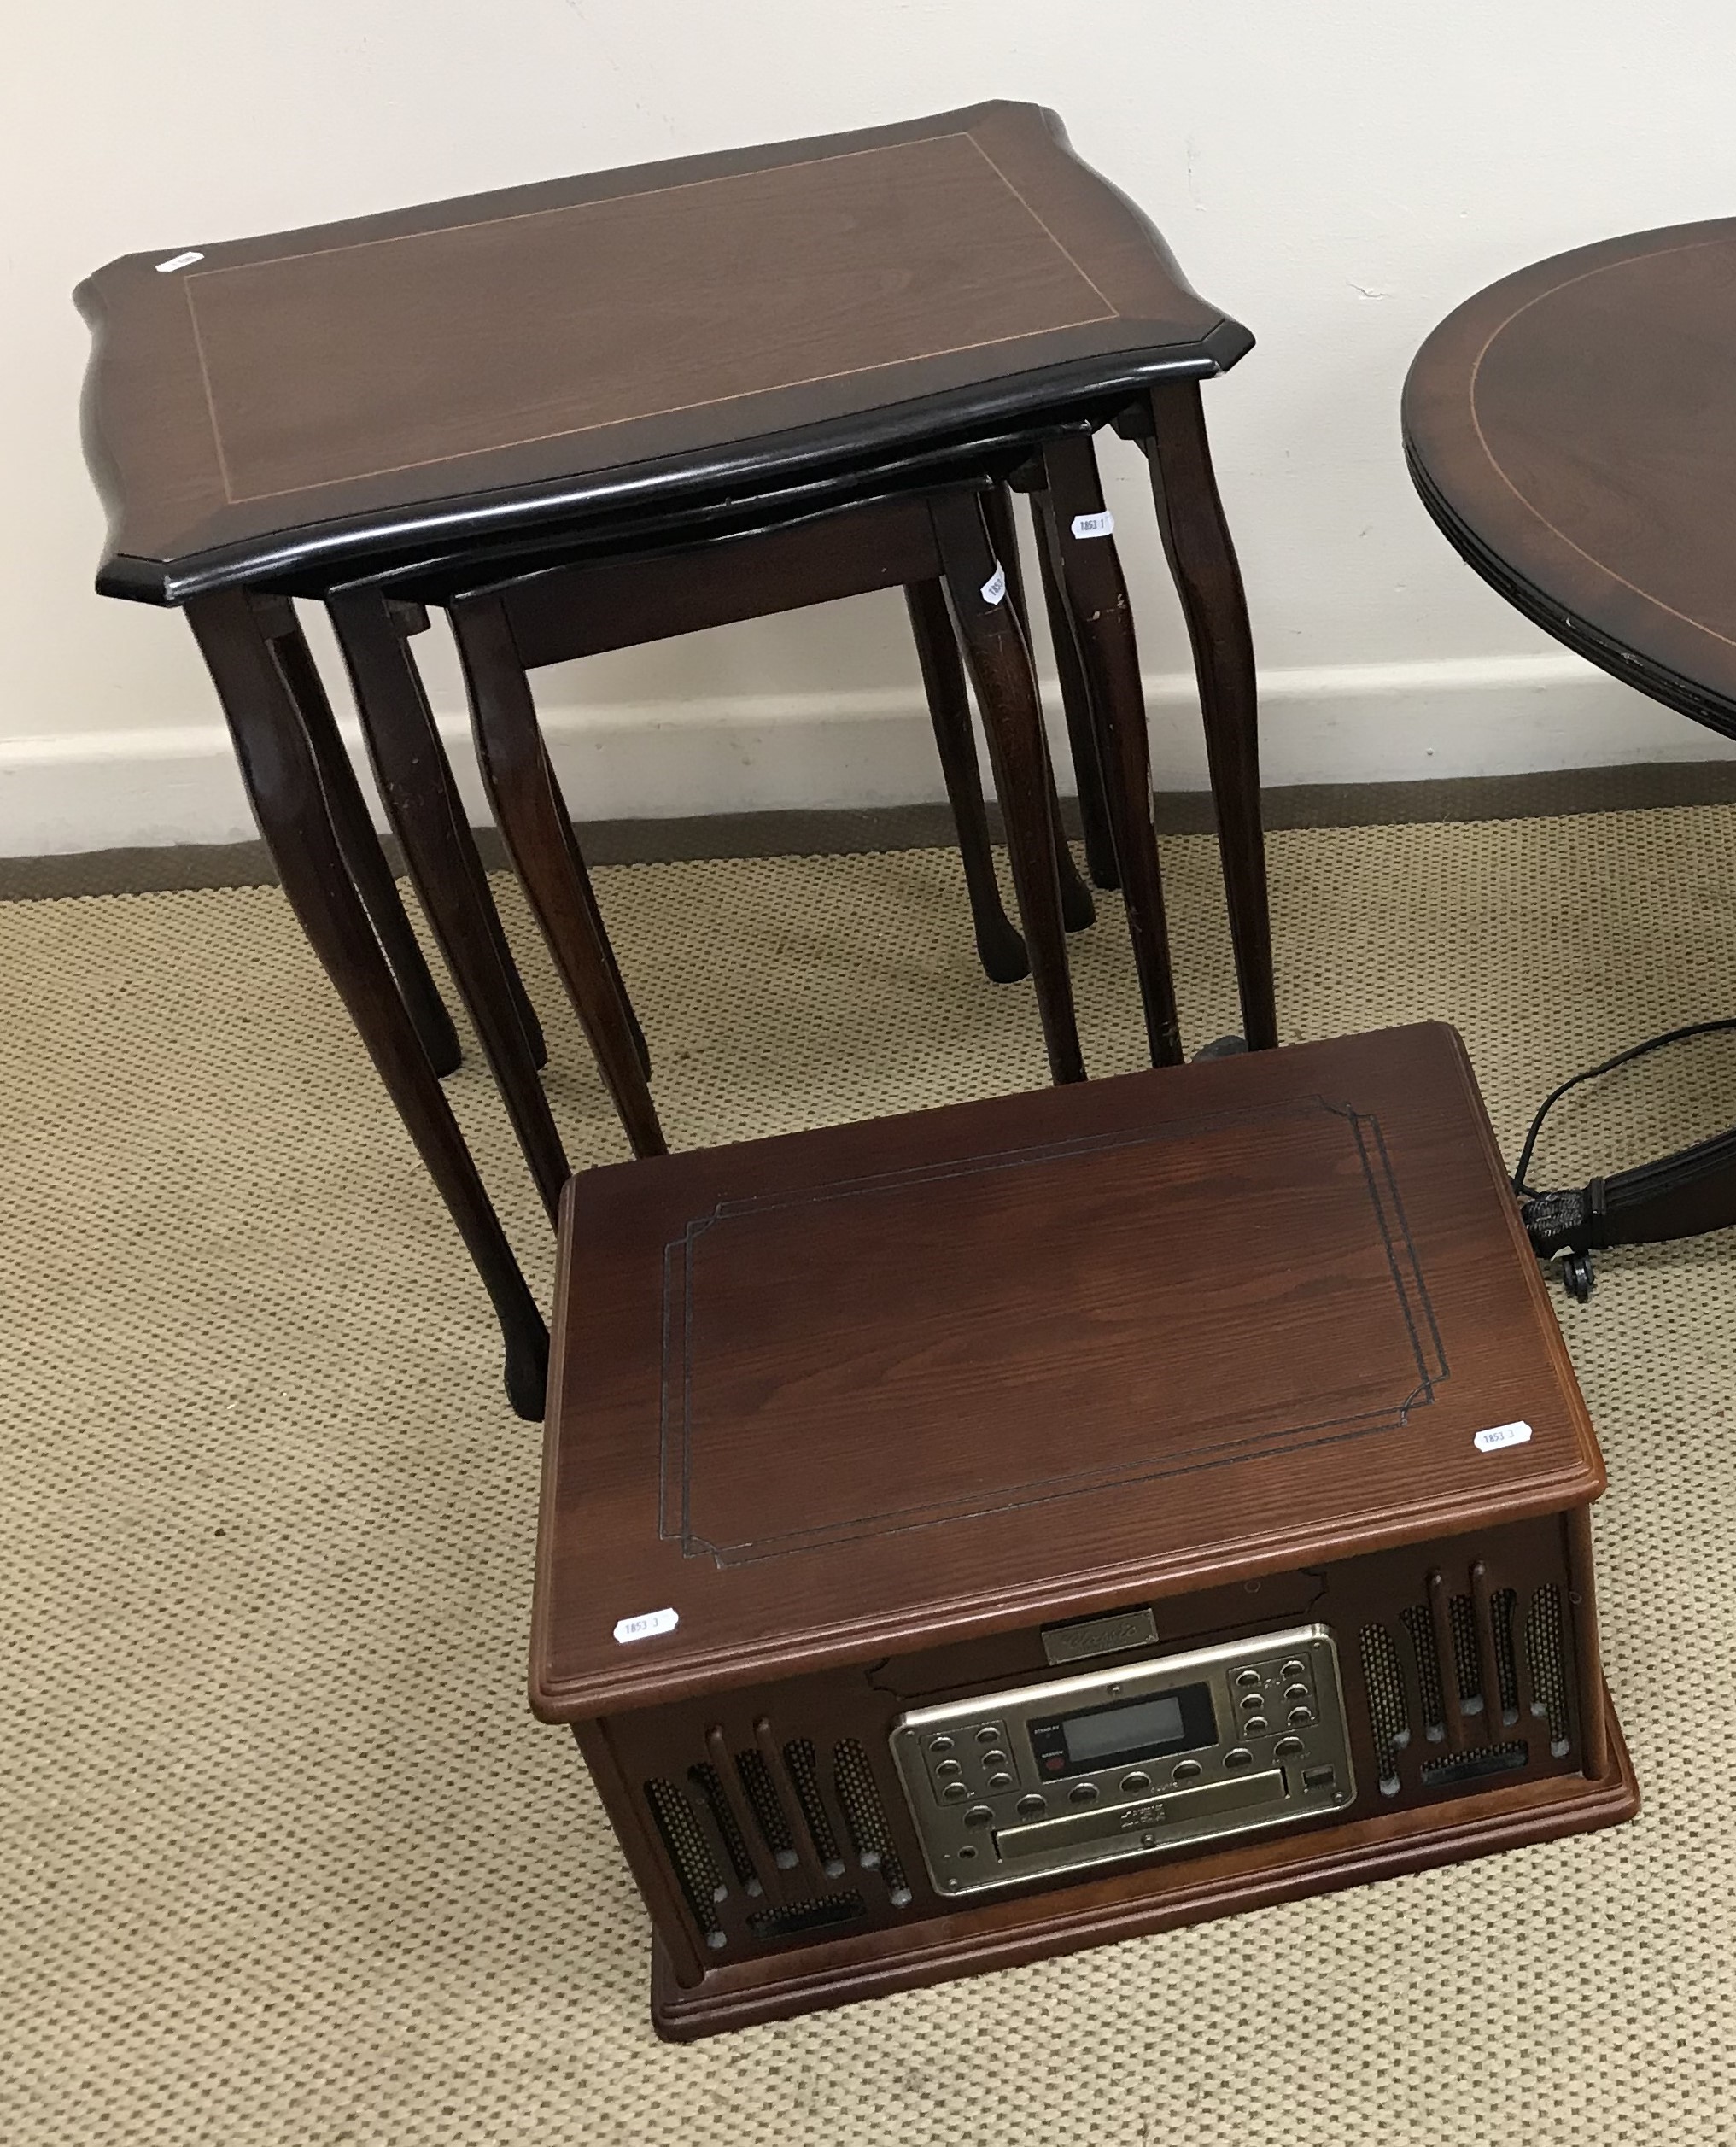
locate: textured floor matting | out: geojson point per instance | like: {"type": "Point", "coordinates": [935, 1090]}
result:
{"type": "Point", "coordinates": [283, 1855]}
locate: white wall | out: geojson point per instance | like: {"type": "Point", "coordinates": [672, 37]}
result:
{"type": "Point", "coordinates": [1338, 175]}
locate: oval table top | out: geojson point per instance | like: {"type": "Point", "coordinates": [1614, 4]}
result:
{"type": "Point", "coordinates": [1572, 429]}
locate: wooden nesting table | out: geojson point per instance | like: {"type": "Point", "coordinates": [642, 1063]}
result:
{"type": "Point", "coordinates": [593, 362]}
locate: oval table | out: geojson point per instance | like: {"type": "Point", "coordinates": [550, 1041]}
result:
{"type": "Point", "coordinates": [1572, 430]}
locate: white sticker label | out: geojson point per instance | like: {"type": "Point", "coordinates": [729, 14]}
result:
{"type": "Point", "coordinates": [179, 260]}
{"type": "Point", "coordinates": [1503, 1435]}
{"type": "Point", "coordinates": [646, 1625]}
{"type": "Point", "coordinates": [996, 586]}
{"type": "Point", "coordinates": [1090, 525]}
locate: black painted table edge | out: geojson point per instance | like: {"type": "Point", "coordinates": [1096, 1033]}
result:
{"type": "Point", "coordinates": [1659, 682]}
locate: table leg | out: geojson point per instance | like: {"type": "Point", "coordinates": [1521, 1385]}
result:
{"type": "Point", "coordinates": [533, 820]}
{"type": "Point", "coordinates": [588, 895]}
{"type": "Point", "coordinates": [999, 661]}
{"type": "Point", "coordinates": [999, 946]}
{"type": "Point", "coordinates": [373, 632]}
{"type": "Point", "coordinates": [353, 825]}
{"type": "Point", "coordinates": [1078, 910]}
{"type": "Point", "coordinates": [419, 791]}
{"type": "Point", "coordinates": [1081, 724]}
{"type": "Point", "coordinates": [241, 636]}
{"type": "Point", "coordinates": [1170, 429]}
{"type": "Point", "coordinates": [1096, 599]}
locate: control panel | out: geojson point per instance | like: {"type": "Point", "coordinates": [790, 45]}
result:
{"type": "Point", "coordinates": [1128, 1761]}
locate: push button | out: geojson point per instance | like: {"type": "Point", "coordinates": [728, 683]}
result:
{"type": "Point", "coordinates": [988, 1734]}
{"type": "Point", "coordinates": [1247, 1679]}
{"type": "Point", "coordinates": [1240, 1758]}
{"type": "Point", "coordinates": [1255, 1725]}
{"type": "Point", "coordinates": [999, 1781]}
{"type": "Point", "coordinates": [1032, 1807]}
{"type": "Point", "coordinates": [1299, 1717]}
{"type": "Point", "coordinates": [1288, 1748]}
{"type": "Point", "coordinates": [955, 1792]}
{"type": "Point", "coordinates": [1133, 1784]}
{"type": "Point", "coordinates": [948, 1770]}
{"type": "Point", "coordinates": [1083, 1793]}
{"type": "Point", "coordinates": [1186, 1770]}
{"type": "Point", "coordinates": [978, 1815]}
{"type": "Point", "coordinates": [1294, 1668]}
{"type": "Point", "coordinates": [940, 1744]}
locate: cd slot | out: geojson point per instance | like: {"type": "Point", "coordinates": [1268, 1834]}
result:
{"type": "Point", "coordinates": [1178, 1811]}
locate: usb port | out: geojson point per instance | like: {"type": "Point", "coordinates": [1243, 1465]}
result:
{"type": "Point", "coordinates": [1318, 1777]}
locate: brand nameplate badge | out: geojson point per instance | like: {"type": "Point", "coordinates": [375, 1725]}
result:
{"type": "Point", "coordinates": [1098, 1636]}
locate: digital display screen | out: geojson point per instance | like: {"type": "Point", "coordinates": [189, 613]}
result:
{"type": "Point", "coordinates": [1144, 1725]}
{"type": "Point", "coordinates": [1124, 1732]}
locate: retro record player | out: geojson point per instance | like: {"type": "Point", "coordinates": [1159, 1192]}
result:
{"type": "Point", "coordinates": [977, 1535]}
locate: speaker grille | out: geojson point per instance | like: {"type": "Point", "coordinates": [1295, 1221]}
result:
{"type": "Point", "coordinates": [745, 1819]}
{"type": "Point", "coordinates": [867, 1821]}
{"type": "Point", "coordinates": [1466, 1667]}
{"type": "Point", "coordinates": [704, 1779]}
{"type": "Point", "coordinates": [766, 1807]}
{"type": "Point", "coordinates": [1545, 1652]}
{"type": "Point", "coordinates": [1466, 1766]}
{"type": "Point", "coordinates": [1501, 1604]}
{"type": "Point", "coordinates": [690, 1855]}
{"type": "Point", "coordinates": [1389, 1716]}
{"type": "Point", "coordinates": [797, 1916]}
{"type": "Point", "coordinates": [804, 1779]}
{"type": "Point", "coordinates": [1420, 1628]}
{"type": "Point", "coordinates": [1405, 1681]}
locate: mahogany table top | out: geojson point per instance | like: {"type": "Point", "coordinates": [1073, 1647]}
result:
{"type": "Point", "coordinates": [1572, 429]}
{"type": "Point", "coordinates": [853, 1391]}
{"type": "Point", "coordinates": [607, 342]}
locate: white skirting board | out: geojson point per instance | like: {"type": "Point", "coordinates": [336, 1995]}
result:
{"type": "Point", "coordinates": [1352, 723]}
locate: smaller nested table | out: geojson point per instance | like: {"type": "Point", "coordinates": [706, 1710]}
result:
{"type": "Point", "coordinates": [1572, 430]}
{"type": "Point", "coordinates": [575, 362]}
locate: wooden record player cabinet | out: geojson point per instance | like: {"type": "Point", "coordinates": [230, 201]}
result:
{"type": "Point", "coordinates": [937, 1408]}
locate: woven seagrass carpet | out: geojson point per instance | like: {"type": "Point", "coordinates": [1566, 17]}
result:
{"type": "Point", "coordinates": [283, 1856]}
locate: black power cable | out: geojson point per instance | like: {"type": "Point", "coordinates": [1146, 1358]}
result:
{"type": "Point", "coordinates": [1592, 1073]}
